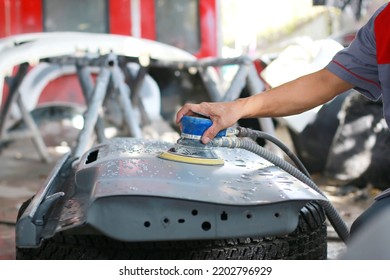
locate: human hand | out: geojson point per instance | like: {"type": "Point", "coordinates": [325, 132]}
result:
{"type": "Point", "coordinates": [222, 114]}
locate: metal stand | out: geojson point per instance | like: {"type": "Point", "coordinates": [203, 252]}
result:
{"type": "Point", "coordinates": [109, 81]}
{"type": "Point", "coordinates": [114, 78]}
{"type": "Point", "coordinates": [33, 131]}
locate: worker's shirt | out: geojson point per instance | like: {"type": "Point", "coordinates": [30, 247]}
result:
{"type": "Point", "coordinates": [366, 62]}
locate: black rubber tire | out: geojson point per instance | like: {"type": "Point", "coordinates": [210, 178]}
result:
{"type": "Point", "coordinates": [308, 241]}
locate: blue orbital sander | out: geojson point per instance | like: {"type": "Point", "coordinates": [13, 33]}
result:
{"type": "Point", "coordinates": [189, 148]}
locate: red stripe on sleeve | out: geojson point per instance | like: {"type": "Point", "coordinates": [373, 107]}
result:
{"type": "Point", "coordinates": [382, 34]}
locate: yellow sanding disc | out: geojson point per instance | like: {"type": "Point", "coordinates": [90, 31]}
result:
{"type": "Point", "coordinates": [192, 160]}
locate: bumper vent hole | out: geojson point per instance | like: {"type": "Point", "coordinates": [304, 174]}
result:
{"type": "Point", "coordinates": [206, 226]}
{"type": "Point", "coordinates": [92, 157]}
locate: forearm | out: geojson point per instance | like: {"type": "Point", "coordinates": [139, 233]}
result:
{"type": "Point", "coordinates": [291, 98]}
{"type": "Point", "coordinates": [294, 97]}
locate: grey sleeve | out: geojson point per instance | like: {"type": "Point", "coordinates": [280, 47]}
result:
{"type": "Point", "coordinates": [357, 64]}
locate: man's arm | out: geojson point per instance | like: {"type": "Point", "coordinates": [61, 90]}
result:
{"type": "Point", "coordinates": [294, 97]}
{"type": "Point", "coordinates": [290, 98]}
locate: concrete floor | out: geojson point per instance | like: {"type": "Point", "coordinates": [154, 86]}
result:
{"type": "Point", "coordinates": [22, 173]}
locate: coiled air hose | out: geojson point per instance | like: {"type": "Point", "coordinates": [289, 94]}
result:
{"type": "Point", "coordinates": [249, 145]}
